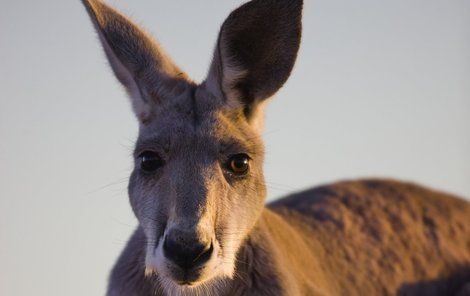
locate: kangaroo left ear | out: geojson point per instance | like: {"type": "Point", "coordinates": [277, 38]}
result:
{"type": "Point", "coordinates": [148, 75]}
{"type": "Point", "coordinates": [255, 52]}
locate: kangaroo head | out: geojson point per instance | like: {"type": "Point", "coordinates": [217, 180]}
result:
{"type": "Point", "coordinates": [197, 187]}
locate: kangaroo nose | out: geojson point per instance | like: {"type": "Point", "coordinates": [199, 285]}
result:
{"type": "Point", "coordinates": [186, 252]}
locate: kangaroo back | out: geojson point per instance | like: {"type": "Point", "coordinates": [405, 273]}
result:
{"type": "Point", "coordinates": [383, 237]}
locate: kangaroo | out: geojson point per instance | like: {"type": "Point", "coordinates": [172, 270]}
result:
{"type": "Point", "coordinates": [198, 192]}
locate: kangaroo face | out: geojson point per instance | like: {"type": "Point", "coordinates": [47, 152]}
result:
{"type": "Point", "coordinates": [197, 187]}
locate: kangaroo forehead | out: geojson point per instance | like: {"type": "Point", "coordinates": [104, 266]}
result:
{"type": "Point", "coordinates": [193, 123]}
{"type": "Point", "coordinates": [190, 105]}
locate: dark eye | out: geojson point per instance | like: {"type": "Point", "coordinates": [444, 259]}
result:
{"type": "Point", "coordinates": [239, 164]}
{"type": "Point", "coordinates": [150, 161]}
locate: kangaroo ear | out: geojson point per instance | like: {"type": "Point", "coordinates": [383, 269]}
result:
{"type": "Point", "coordinates": [256, 51]}
{"type": "Point", "coordinates": [148, 75]}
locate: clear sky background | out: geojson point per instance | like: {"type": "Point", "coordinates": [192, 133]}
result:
{"type": "Point", "coordinates": [381, 88]}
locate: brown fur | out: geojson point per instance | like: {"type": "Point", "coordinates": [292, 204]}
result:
{"type": "Point", "coordinates": [368, 237]}
{"type": "Point", "coordinates": [382, 237]}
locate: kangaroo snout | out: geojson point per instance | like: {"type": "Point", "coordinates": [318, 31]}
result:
{"type": "Point", "coordinates": [186, 249]}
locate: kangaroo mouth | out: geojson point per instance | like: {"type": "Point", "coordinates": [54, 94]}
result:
{"type": "Point", "coordinates": [185, 283]}
{"type": "Point", "coordinates": [186, 277]}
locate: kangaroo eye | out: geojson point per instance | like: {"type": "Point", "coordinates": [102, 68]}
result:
{"type": "Point", "coordinates": [150, 161]}
{"type": "Point", "coordinates": [239, 164]}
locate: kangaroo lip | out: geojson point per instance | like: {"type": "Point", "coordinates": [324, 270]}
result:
{"type": "Point", "coordinates": [185, 283]}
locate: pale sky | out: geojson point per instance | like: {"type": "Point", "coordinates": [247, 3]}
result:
{"type": "Point", "coordinates": [381, 88]}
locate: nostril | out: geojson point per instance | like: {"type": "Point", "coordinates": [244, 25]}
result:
{"type": "Point", "coordinates": [187, 254]}
{"type": "Point", "coordinates": [204, 255]}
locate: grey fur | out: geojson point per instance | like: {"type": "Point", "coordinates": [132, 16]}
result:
{"type": "Point", "coordinates": [357, 238]}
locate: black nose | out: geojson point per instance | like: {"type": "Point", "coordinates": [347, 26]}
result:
{"type": "Point", "coordinates": [186, 252]}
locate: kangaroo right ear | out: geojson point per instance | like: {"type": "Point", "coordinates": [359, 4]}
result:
{"type": "Point", "coordinates": [256, 51]}
{"type": "Point", "coordinates": [148, 75]}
